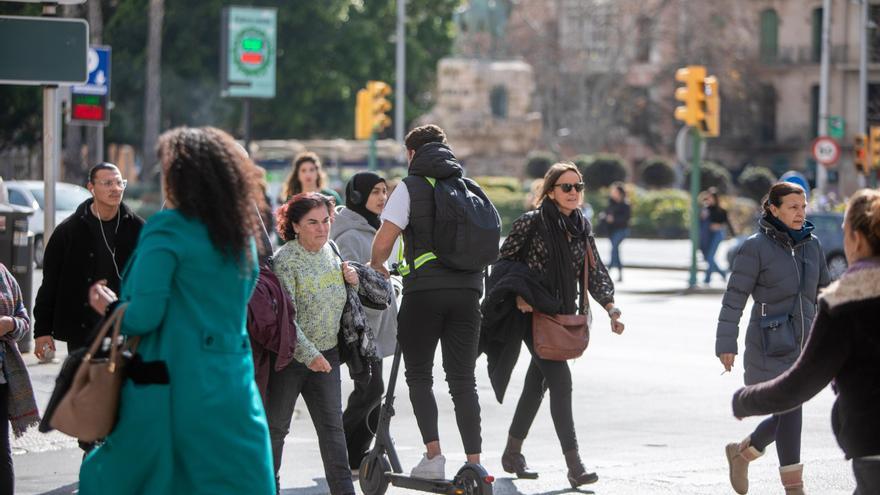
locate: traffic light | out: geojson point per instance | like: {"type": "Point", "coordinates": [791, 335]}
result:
{"type": "Point", "coordinates": [860, 146]}
{"type": "Point", "coordinates": [378, 91]}
{"type": "Point", "coordinates": [874, 148]}
{"type": "Point", "coordinates": [362, 121]}
{"type": "Point", "coordinates": [371, 108]}
{"type": "Point", "coordinates": [712, 122]}
{"type": "Point", "coordinates": [693, 113]}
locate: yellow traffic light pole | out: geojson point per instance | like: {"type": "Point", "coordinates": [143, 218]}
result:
{"type": "Point", "coordinates": [701, 114]}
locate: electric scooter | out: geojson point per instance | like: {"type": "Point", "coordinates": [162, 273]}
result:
{"type": "Point", "coordinates": [381, 466]}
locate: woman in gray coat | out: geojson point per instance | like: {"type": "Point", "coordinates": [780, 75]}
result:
{"type": "Point", "coordinates": [353, 230]}
{"type": "Point", "coordinates": [782, 267]}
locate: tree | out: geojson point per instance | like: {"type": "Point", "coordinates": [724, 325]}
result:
{"type": "Point", "coordinates": [538, 163]}
{"type": "Point", "coordinates": [755, 182]}
{"type": "Point", "coordinates": [603, 170]}
{"type": "Point", "coordinates": [152, 94]}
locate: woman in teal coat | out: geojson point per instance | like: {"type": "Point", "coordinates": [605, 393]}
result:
{"type": "Point", "coordinates": [187, 288]}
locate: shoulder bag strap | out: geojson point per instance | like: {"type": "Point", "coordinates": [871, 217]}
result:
{"type": "Point", "coordinates": [589, 262]}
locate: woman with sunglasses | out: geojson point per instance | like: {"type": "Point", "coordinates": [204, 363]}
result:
{"type": "Point", "coordinates": [549, 244]}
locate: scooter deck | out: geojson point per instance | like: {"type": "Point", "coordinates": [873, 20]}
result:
{"type": "Point", "coordinates": [421, 484]}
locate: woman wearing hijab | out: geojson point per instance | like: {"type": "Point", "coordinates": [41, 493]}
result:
{"type": "Point", "coordinates": [353, 230]}
{"type": "Point", "coordinates": [782, 267]}
{"type": "Point", "coordinates": [550, 243]}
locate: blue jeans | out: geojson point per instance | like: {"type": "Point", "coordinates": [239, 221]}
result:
{"type": "Point", "coordinates": [323, 395]}
{"type": "Point", "coordinates": [715, 238]}
{"type": "Point", "coordinates": [616, 238]}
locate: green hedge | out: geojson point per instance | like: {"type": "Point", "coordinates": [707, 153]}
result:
{"type": "Point", "coordinates": [510, 205]}
{"type": "Point", "coordinates": [658, 173]}
{"type": "Point", "coordinates": [664, 213]}
{"type": "Point", "coordinates": [755, 182]}
{"type": "Point", "coordinates": [538, 162]}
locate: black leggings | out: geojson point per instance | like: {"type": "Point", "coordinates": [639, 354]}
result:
{"type": "Point", "coordinates": [7, 476]}
{"type": "Point", "coordinates": [544, 374]}
{"type": "Point", "coordinates": [785, 430]}
{"type": "Point", "coordinates": [452, 318]}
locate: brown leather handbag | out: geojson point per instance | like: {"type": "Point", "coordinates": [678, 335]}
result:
{"type": "Point", "coordinates": [88, 410]}
{"type": "Point", "coordinates": [564, 337]}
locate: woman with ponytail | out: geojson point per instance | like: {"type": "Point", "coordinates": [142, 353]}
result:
{"type": "Point", "coordinates": [843, 347]}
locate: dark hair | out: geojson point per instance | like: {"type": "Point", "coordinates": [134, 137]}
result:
{"type": "Point", "coordinates": [621, 189]}
{"type": "Point", "coordinates": [208, 180]}
{"type": "Point", "coordinates": [553, 175]}
{"type": "Point", "coordinates": [713, 193]}
{"type": "Point", "coordinates": [292, 185]}
{"type": "Point", "coordinates": [294, 210]}
{"type": "Point", "coordinates": [93, 172]}
{"type": "Point", "coordinates": [863, 215]}
{"type": "Point", "coordinates": [779, 191]}
{"type": "Point", "coordinates": [423, 135]}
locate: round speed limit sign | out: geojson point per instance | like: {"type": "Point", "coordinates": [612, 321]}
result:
{"type": "Point", "coordinates": [826, 151]}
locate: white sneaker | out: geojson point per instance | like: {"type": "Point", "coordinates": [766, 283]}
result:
{"type": "Point", "coordinates": [431, 469]}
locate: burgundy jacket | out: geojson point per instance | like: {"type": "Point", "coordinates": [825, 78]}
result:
{"type": "Point", "coordinates": [271, 327]}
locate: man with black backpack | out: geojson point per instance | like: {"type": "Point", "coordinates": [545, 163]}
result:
{"type": "Point", "coordinates": [451, 232]}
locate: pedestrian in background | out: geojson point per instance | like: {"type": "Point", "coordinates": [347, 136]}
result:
{"type": "Point", "coordinates": [92, 244]}
{"type": "Point", "coordinates": [315, 279]}
{"type": "Point", "coordinates": [782, 267]}
{"type": "Point", "coordinates": [616, 219]}
{"type": "Point", "coordinates": [202, 431]}
{"type": "Point", "coordinates": [713, 223]}
{"type": "Point", "coordinates": [843, 346]}
{"type": "Point", "coordinates": [353, 231]}
{"type": "Point", "coordinates": [307, 176]}
{"type": "Point", "coordinates": [551, 243]}
{"type": "Point", "coordinates": [17, 404]}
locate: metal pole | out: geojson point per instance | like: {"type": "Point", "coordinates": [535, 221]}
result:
{"type": "Point", "coordinates": [99, 143]}
{"type": "Point", "coordinates": [371, 155]}
{"type": "Point", "coordinates": [695, 205]}
{"type": "Point", "coordinates": [246, 110]}
{"type": "Point", "coordinates": [824, 71]}
{"type": "Point", "coordinates": [51, 141]}
{"type": "Point", "coordinates": [400, 79]}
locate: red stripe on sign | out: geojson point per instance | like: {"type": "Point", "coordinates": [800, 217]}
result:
{"type": "Point", "coordinates": [88, 112]}
{"type": "Point", "coordinates": [251, 58]}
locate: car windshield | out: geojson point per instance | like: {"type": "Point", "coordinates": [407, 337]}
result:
{"type": "Point", "coordinates": [67, 197]}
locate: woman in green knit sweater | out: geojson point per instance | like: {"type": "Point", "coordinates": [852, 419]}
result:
{"type": "Point", "coordinates": [315, 279]}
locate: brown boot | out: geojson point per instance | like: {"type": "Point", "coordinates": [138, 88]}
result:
{"type": "Point", "coordinates": [739, 455]}
{"type": "Point", "coordinates": [577, 473]}
{"type": "Point", "coordinates": [792, 479]}
{"type": "Point", "coordinates": [513, 461]}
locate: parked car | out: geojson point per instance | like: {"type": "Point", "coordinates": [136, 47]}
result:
{"type": "Point", "coordinates": [829, 230]}
{"type": "Point", "coordinates": [29, 193]}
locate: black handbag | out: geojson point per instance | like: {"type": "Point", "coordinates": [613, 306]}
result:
{"type": "Point", "coordinates": [777, 331]}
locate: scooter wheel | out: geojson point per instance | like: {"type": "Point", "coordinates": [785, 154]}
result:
{"type": "Point", "coordinates": [472, 482]}
{"type": "Point", "coordinates": [371, 474]}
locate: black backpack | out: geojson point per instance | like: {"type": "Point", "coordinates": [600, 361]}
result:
{"type": "Point", "coordinates": [467, 227]}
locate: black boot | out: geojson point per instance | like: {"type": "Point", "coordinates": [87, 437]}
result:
{"type": "Point", "coordinates": [577, 473]}
{"type": "Point", "coordinates": [513, 461]}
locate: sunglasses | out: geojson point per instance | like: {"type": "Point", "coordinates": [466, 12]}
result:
{"type": "Point", "coordinates": [566, 188]}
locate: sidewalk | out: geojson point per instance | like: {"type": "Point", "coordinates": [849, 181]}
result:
{"type": "Point", "coordinates": [672, 254]}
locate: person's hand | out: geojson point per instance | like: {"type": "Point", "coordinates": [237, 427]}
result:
{"type": "Point", "coordinates": [609, 218]}
{"type": "Point", "coordinates": [349, 274]}
{"type": "Point", "coordinates": [43, 344]}
{"type": "Point", "coordinates": [523, 306]}
{"type": "Point", "coordinates": [101, 296]}
{"type": "Point", "coordinates": [320, 365]}
{"type": "Point", "coordinates": [727, 360]}
{"type": "Point", "coordinates": [7, 324]}
{"type": "Point", "coordinates": [617, 326]}
{"type": "Point", "coordinates": [380, 268]}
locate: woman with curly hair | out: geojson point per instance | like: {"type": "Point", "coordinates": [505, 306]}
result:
{"type": "Point", "coordinates": [201, 429]}
{"type": "Point", "coordinates": [307, 176]}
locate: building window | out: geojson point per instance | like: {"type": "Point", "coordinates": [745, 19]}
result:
{"type": "Point", "coordinates": [645, 35]}
{"type": "Point", "coordinates": [498, 102]}
{"type": "Point", "coordinates": [874, 35]}
{"type": "Point", "coordinates": [816, 51]}
{"type": "Point", "coordinates": [769, 35]}
{"type": "Point", "coordinates": [767, 125]}
{"type": "Point", "coordinates": [873, 104]}
{"type": "Point", "coordinates": [814, 111]}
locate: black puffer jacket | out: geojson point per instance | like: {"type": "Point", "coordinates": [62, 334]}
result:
{"type": "Point", "coordinates": [768, 267]}
{"type": "Point", "coordinates": [62, 308]}
{"type": "Point", "coordinates": [844, 345]}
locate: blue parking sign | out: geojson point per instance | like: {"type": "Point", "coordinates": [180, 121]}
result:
{"type": "Point", "coordinates": [89, 102]}
{"type": "Point", "coordinates": [99, 72]}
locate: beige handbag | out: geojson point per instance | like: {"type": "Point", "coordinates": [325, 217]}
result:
{"type": "Point", "coordinates": [88, 410]}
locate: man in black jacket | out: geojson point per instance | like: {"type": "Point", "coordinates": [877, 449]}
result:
{"type": "Point", "coordinates": [92, 244]}
{"type": "Point", "coordinates": [440, 305]}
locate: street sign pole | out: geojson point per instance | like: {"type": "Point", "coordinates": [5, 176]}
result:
{"type": "Point", "coordinates": [695, 205]}
{"type": "Point", "coordinates": [371, 154]}
{"type": "Point", "coordinates": [246, 110]}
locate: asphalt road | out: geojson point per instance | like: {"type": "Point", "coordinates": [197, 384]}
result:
{"type": "Point", "coordinates": [652, 413]}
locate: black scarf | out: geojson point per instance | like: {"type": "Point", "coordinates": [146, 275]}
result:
{"type": "Point", "coordinates": [363, 183]}
{"type": "Point", "coordinates": [556, 229]}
